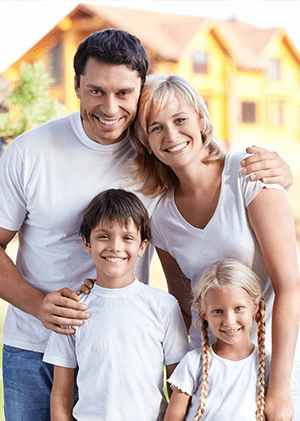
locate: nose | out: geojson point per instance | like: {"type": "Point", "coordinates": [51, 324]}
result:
{"type": "Point", "coordinates": [171, 133]}
{"type": "Point", "coordinates": [110, 106]}
{"type": "Point", "coordinates": [228, 318]}
{"type": "Point", "coordinates": [114, 244]}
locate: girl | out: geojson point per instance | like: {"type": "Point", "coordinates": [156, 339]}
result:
{"type": "Point", "coordinates": [226, 298]}
{"type": "Point", "coordinates": [211, 211]}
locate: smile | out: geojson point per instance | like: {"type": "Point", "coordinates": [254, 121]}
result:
{"type": "Point", "coordinates": [114, 259]}
{"type": "Point", "coordinates": [231, 331]}
{"type": "Point", "coordinates": [107, 122]}
{"type": "Point", "coordinates": [178, 147]}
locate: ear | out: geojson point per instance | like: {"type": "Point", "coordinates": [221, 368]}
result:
{"type": "Point", "coordinates": [255, 308]}
{"type": "Point", "coordinates": [76, 88]}
{"type": "Point", "coordinates": [143, 247]}
{"type": "Point", "coordinates": [86, 245]}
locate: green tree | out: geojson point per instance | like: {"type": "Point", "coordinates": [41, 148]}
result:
{"type": "Point", "coordinates": [31, 97]}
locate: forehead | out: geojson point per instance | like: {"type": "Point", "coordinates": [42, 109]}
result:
{"type": "Point", "coordinates": [227, 296]}
{"type": "Point", "coordinates": [108, 224]}
{"type": "Point", "coordinates": [168, 105]}
{"type": "Point", "coordinates": [110, 75]}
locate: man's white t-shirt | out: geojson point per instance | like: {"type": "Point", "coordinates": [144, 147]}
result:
{"type": "Point", "coordinates": [232, 386]}
{"type": "Point", "coordinates": [121, 351]}
{"type": "Point", "coordinates": [48, 176]}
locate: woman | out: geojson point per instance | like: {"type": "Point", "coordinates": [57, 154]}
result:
{"type": "Point", "coordinates": [211, 211]}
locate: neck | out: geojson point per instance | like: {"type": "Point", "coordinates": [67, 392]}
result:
{"type": "Point", "coordinates": [234, 352]}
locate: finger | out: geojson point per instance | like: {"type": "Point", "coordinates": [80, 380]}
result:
{"type": "Point", "coordinates": [89, 282]}
{"type": "Point", "coordinates": [70, 314]}
{"type": "Point", "coordinates": [68, 293]}
{"type": "Point", "coordinates": [61, 330]}
{"type": "Point", "coordinates": [84, 289]}
{"type": "Point", "coordinates": [63, 302]}
{"type": "Point", "coordinates": [264, 166]}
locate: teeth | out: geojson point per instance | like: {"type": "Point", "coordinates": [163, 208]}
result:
{"type": "Point", "coordinates": [114, 259]}
{"type": "Point", "coordinates": [230, 331]}
{"type": "Point", "coordinates": [108, 123]}
{"type": "Point", "coordinates": [178, 147]}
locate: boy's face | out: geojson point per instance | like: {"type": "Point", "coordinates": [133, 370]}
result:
{"type": "Point", "coordinates": [115, 249]}
{"type": "Point", "coordinates": [108, 96]}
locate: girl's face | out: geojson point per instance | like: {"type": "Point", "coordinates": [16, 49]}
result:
{"type": "Point", "coordinates": [174, 134]}
{"type": "Point", "coordinates": [229, 313]}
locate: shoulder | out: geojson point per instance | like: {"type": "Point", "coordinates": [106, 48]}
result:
{"type": "Point", "coordinates": [233, 159]}
{"type": "Point", "coordinates": [161, 297]}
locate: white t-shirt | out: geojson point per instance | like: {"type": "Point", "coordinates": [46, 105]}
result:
{"type": "Point", "coordinates": [121, 351]}
{"type": "Point", "coordinates": [232, 386]}
{"type": "Point", "coordinates": [48, 176]}
{"type": "Point", "coordinates": [227, 235]}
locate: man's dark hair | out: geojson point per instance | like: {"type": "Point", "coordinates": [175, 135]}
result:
{"type": "Point", "coordinates": [115, 205]}
{"type": "Point", "coordinates": [112, 46]}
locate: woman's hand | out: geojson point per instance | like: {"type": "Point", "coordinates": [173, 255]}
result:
{"type": "Point", "coordinates": [267, 166]}
{"type": "Point", "coordinates": [87, 286]}
{"type": "Point", "coordinates": [279, 406]}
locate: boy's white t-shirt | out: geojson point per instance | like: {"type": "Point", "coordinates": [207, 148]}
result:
{"type": "Point", "coordinates": [227, 235]}
{"type": "Point", "coordinates": [48, 176]}
{"type": "Point", "coordinates": [121, 351]}
{"type": "Point", "coordinates": [232, 386]}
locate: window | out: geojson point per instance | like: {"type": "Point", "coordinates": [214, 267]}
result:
{"type": "Point", "coordinates": [200, 62]}
{"type": "Point", "coordinates": [273, 70]}
{"type": "Point", "coordinates": [55, 63]}
{"type": "Point", "coordinates": [276, 113]}
{"type": "Point", "coordinates": [248, 112]}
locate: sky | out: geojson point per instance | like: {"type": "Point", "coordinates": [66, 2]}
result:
{"type": "Point", "coordinates": [24, 23]}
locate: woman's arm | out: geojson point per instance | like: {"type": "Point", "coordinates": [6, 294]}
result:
{"type": "Point", "coordinates": [62, 395]}
{"type": "Point", "coordinates": [178, 284]}
{"type": "Point", "coordinates": [267, 166]}
{"type": "Point", "coordinates": [272, 220]}
{"type": "Point", "coordinates": [178, 405]}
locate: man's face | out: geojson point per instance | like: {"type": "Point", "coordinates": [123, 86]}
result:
{"type": "Point", "coordinates": [109, 95]}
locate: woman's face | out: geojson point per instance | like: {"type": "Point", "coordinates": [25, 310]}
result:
{"type": "Point", "coordinates": [174, 134]}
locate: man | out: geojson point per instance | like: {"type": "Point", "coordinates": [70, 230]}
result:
{"type": "Point", "coordinates": [48, 176]}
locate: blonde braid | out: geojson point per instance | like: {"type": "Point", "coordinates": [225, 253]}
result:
{"type": "Point", "coordinates": [260, 395]}
{"type": "Point", "coordinates": [205, 368]}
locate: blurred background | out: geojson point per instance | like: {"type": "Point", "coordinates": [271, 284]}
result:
{"type": "Point", "coordinates": [242, 56]}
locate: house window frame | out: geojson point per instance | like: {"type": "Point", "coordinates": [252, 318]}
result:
{"type": "Point", "coordinates": [248, 116]}
{"type": "Point", "coordinates": [274, 69]}
{"type": "Point", "coordinates": [56, 72]}
{"type": "Point", "coordinates": [202, 66]}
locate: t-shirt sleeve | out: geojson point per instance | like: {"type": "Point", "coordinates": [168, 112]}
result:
{"type": "Point", "coordinates": [12, 195]}
{"type": "Point", "coordinates": [157, 238]}
{"type": "Point", "coordinates": [61, 350]}
{"type": "Point", "coordinates": [251, 188]}
{"type": "Point", "coordinates": [175, 342]}
{"type": "Point", "coordinates": [186, 376]}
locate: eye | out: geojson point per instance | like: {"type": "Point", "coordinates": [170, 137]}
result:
{"type": "Point", "coordinates": [102, 237]}
{"type": "Point", "coordinates": [154, 129]}
{"type": "Point", "coordinates": [180, 120]}
{"type": "Point", "coordinates": [239, 308]}
{"type": "Point", "coordinates": [123, 93]}
{"type": "Point", "coordinates": [217, 311]}
{"type": "Point", "coordinates": [128, 238]}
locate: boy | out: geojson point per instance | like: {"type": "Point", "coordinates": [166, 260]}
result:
{"type": "Point", "coordinates": [133, 329]}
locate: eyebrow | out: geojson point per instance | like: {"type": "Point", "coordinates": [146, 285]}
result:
{"type": "Point", "coordinates": [174, 115]}
{"type": "Point", "coordinates": [99, 88]}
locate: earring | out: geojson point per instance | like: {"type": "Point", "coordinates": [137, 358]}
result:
{"type": "Point", "coordinates": [150, 152]}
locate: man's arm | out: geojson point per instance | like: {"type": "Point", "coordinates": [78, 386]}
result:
{"type": "Point", "coordinates": [54, 309]}
{"type": "Point", "coordinates": [62, 395]}
{"type": "Point", "coordinates": [267, 166]}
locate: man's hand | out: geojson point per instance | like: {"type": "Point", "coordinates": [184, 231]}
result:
{"type": "Point", "coordinates": [62, 308]}
{"type": "Point", "coordinates": [267, 166]}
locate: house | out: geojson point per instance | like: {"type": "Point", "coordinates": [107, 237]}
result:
{"type": "Point", "coordinates": [248, 77]}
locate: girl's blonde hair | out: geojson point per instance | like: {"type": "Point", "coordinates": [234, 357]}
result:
{"type": "Point", "coordinates": [230, 273]}
{"type": "Point", "coordinates": [154, 176]}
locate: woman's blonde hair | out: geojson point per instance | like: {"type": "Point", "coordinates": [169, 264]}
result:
{"type": "Point", "coordinates": [230, 273]}
{"type": "Point", "coordinates": [154, 176]}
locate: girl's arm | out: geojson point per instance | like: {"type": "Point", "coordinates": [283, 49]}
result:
{"type": "Point", "coordinates": [178, 405]}
{"type": "Point", "coordinates": [178, 284]}
{"type": "Point", "coordinates": [62, 395]}
{"type": "Point", "coordinates": [272, 220]}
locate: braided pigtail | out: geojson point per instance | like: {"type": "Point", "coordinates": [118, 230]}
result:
{"type": "Point", "coordinates": [205, 369]}
{"type": "Point", "coordinates": [260, 395]}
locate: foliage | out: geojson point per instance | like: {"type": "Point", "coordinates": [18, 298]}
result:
{"type": "Point", "coordinates": [29, 102]}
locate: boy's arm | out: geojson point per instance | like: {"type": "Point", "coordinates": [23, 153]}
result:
{"type": "Point", "coordinates": [177, 407]}
{"type": "Point", "coordinates": [62, 395]}
{"type": "Point", "coordinates": [268, 167]}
